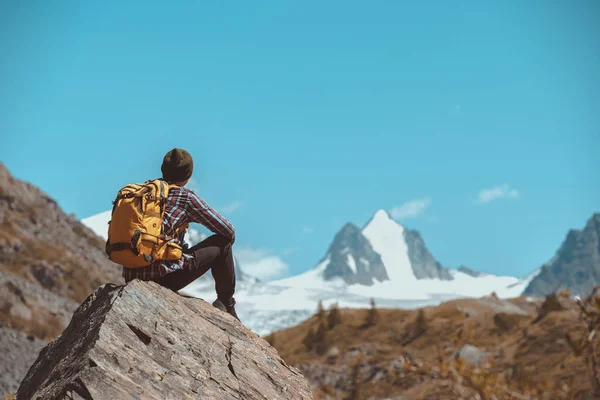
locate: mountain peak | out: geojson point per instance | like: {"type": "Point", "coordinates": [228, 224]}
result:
{"type": "Point", "coordinates": [349, 228]}
{"type": "Point", "coordinates": [576, 264]}
{"type": "Point", "coordinates": [381, 213]}
{"type": "Point", "coordinates": [381, 218]}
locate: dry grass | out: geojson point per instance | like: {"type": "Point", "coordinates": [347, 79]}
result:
{"type": "Point", "coordinates": [525, 360]}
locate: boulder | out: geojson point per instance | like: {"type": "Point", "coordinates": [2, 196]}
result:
{"type": "Point", "coordinates": [142, 341]}
{"type": "Point", "coordinates": [471, 354]}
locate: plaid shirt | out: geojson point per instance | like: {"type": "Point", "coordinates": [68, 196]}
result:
{"type": "Point", "coordinates": [183, 205]}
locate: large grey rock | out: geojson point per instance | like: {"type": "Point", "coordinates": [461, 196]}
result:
{"type": "Point", "coordinates": [471, 354]}
{"type": "Point", "coordinates": [576, 265]}
{"type": "Point", "coordinates": [352, 258]}
{"type": "Point", "coordinates": [142, 341]}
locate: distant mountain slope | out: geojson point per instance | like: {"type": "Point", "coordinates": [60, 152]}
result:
{"type": "Point", "coordinates": [49, 263]}
{"type": "Point", "coordinates": [576, 265]}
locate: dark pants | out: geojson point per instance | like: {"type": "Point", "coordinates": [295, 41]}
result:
{"type": "Point", "coordinates": [213, 253]}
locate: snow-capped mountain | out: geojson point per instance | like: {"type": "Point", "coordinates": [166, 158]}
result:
{"type": "Point", "coordinates": [403, 251]}
{"type": "Point", "coordinates": [409, 271]}
{"type": "Point", "coordinates": [383, 261]}
{"type": "Point", "coordinates": [382, 251]}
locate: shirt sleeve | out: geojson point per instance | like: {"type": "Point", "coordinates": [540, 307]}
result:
{"type": "Point", "coordinates": [197, 210]}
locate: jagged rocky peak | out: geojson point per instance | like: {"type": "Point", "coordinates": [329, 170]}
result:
{"type": "Point", "coordinates": [575, 266]}
{"type": "Point", "coordinates": [466, 270]}
{"type": "Point", "coordinates": [424, 265]}
{"type": "Point", "coordinates": [141, 340]}
{"type": "Point", "coordinates": [352, 258]}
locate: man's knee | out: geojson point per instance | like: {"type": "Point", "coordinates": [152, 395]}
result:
{"type": "Point", "coordinates": [223, 242]}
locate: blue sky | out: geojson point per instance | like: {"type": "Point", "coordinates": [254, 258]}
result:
{"type": "Point", "coordinates": [302, 116]}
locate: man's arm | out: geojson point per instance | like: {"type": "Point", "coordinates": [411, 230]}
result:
{"type": "Point", "coordinates": [199, 211]}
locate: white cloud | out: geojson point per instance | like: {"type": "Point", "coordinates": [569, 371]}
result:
{"type": "Point", "coordinates": [412, 208]}
{"type": "Point", "coordinates": [307, 229]}
{"type": "Point", "coordinates": [193, 236]}
{"type": "Point", "coordinates": [261, 263]}
{"type": "Point", "coordinates": [232, 207]}
{"type": "Point", "coordinates": [495, 193]}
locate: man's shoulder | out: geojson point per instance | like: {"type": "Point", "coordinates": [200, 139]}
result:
{"type": "Point", "coordinates": [184, 192]}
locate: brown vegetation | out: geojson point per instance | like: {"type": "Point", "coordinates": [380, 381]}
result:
{"type": "Point", "coordinates": [464, 349]}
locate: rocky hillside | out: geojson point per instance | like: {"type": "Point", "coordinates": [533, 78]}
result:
{"type": "Point", "coordinates": [576, 265]}
{"type": "Point", "coordinates": [49, 263]}
{"type": "Point", "coordinates": [486, 348]}
{"type": "Point", "coordinates": [141, 340]}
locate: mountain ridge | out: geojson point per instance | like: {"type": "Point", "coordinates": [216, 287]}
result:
{"type": "Point", "coordinates": [575, 265]}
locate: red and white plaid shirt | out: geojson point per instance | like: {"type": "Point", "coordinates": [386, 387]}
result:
{"type": "Point", "coordinates": [183, 205]}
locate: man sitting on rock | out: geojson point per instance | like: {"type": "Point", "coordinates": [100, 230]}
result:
{"type": "Point", "coordinates": [214, 253]}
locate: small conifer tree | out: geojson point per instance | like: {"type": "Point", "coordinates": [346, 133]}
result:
{"type": "Point", "coordinates": [372, 315]}
{"type": "Point", "coordinates": [320, 339]}
{"type": "Point", "coordinates": [420, 322]}
{"type": "Point", "coordinates": [320, 311]}
{"type": "Point", "coordinates": [334, 317]}
{"type": "Point", "coordinates": [309, 339]}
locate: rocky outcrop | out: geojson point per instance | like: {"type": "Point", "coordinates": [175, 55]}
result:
{"type": "Point", "coordinates": [49, 263]}
{"type": "Point", "coordinates": [141, 340]}
{"type": "Point", "coordinates": [352, 258]}
{"type": "Point", "coordinates": [576, 265]}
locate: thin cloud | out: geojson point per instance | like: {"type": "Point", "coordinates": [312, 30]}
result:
{"type": "Point", "coordinates": [410, 209]}
{"type": "Point", "coordinates": [290, 250]}
{"type": "Point", "coordinates": [261, 263]}
{"type": "Point", "coordinates": [307, 229]}
{"type": "Point", "coordinates": [193, 184]}
{"type": "Point", "coordinates": [231, 207]}
{"type": "Point", "coordinates": [497, 192]}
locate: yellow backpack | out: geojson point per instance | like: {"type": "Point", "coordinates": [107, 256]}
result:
{"type": "Point", "coordinates": [134, 232]}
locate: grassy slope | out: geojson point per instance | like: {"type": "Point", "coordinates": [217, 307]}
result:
{"type": "Point", "coordinates": [525, 357]}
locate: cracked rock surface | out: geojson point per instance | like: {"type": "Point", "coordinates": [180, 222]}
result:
{"type": "Point", "coordinates": [142, 341]}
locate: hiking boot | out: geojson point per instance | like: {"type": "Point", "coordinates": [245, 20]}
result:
{"type": "Point", "coordinates": [229, 308]}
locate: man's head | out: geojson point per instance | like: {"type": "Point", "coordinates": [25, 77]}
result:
{"type": "Point", "coordinates": [177, 166]}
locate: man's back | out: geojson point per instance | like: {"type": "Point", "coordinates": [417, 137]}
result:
{"type": "Point", "coordinates": [182, 207]}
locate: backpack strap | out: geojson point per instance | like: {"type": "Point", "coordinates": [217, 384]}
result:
{"type": "Point", "coordinates": [110, 247]}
